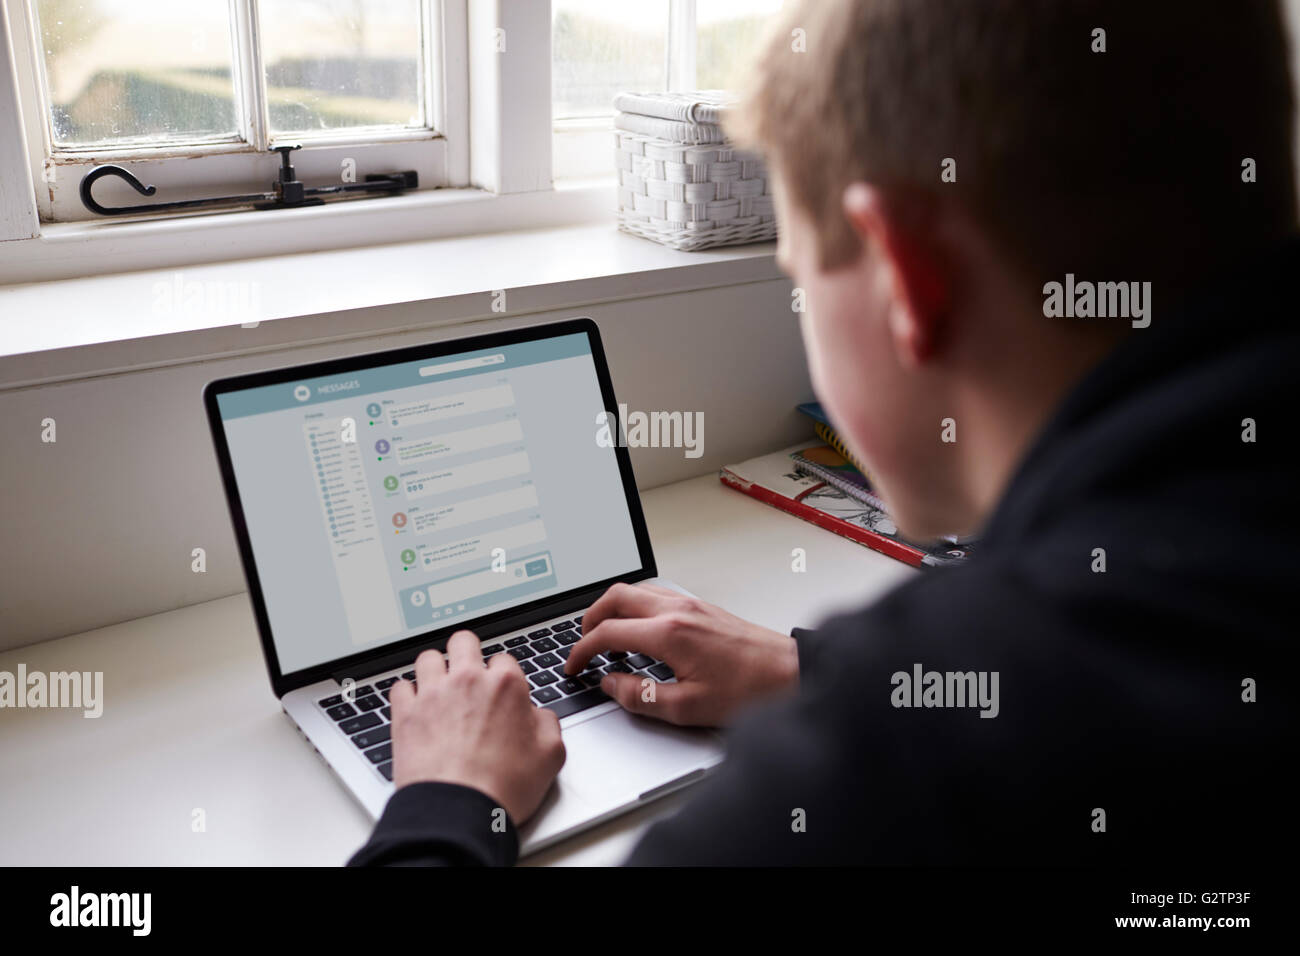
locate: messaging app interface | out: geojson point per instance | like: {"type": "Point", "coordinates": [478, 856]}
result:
{"type": "Point", "coordinates": [389, 501]}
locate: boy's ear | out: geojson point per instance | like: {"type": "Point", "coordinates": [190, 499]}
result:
{"type": "Point", "coordinates": [893, 229]}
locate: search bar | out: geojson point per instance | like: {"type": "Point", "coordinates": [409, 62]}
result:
{"type": "Point", "coordinates": [446, 367]}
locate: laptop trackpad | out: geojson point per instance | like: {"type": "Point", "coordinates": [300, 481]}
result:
{"type": "Point", "coordinates": [619, 756]}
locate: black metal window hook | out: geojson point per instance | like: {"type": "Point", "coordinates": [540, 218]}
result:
{"type": "Point", "coordinates": [286, 192]}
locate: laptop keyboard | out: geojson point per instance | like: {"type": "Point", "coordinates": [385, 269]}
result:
{"type": "Point", "coordinates": [541, 654]}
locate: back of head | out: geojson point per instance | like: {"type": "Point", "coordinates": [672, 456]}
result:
{"type": "Point", "coordinates": [1141, 139]}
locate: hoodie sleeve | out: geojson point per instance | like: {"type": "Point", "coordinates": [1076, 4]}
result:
{"type": "Point", "coordinates": [440, 824]}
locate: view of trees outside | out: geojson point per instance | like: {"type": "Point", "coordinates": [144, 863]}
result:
{"type": "Point", "coordinates": [332, 64]}
{"type": "Point", "coordinates": [729, 34]}
{"type": "Point", "coordinates": [124, 71]}
{"type": "Point", "coordinates": [599, 49]}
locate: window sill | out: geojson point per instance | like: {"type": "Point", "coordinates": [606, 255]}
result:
{"type": "Point", "coordinates": [108, 246]}
{"type": "Point", "coordinates": [106, 324]}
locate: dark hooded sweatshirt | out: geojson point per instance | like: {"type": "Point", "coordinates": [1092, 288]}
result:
{"type": "Point", "coordinates": [1144, 712]}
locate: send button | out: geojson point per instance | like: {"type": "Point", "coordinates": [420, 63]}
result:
{"type": "Point", "coordinates": [534, 568]}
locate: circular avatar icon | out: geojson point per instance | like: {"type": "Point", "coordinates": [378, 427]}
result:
{"type": "Point", "coordinates": [390, 482]}
{"type": "Point", "coordinates": [373, 409]}
{"type": "Point", "coordinates": [408, 556]}
{"type": "Point", "coordinates": [417, 598]}
{"type": "Point", "coordinates": [399, 520]}
{"type": "Point", "coordinates": [382, 446]}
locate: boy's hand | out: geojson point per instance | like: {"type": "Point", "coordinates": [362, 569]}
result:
{"type": "Point", "coordinates": [475, 726]}
{"type": "Point", "coordinates": [722, 662]}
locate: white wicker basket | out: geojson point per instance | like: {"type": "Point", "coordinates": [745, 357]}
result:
{"type": "Point", "coordinates": [691, 195]}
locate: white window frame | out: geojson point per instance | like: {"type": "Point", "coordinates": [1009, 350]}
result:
{"type": "Point", "coordinates": [213, 167]}
{"type": "Point", "coordinates": [497, 126]}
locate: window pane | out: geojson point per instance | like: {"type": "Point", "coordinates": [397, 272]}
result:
{"type": "Point", "coordinates": [729, 35]}
{"type": "Point", "coordinates": [126, 71]}
{"type": "Point", "coordinates": [600, 48]}
{"type": "Point", "coordinates": [340, 64]}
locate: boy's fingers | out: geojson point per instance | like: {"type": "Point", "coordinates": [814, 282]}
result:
{"type": "Point", "coordinates": [504, 662]}
{"type": "Point", "coordinates": [403, 693]}
{"type": "Point", "coordinates": [430, 667]}
{"type": "Point", "coordinates": [659, 589]}
{"type": "Point", "coordinates": [644, 634]}
{"type": "Point", "coordinates": [636, 696]}
{"type": "Point", "coordinates": [548, 722]}
{"type": "Point", "coordinates": [621, 600]}
{"type": "Point", "coordinates": [463, 651]}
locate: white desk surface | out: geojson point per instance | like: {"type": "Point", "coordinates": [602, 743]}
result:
{"type": "Point", "coordinates": [190, 721]}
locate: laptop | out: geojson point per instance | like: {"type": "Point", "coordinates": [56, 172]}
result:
{"type": "Point", "coordinates": [384, 501]}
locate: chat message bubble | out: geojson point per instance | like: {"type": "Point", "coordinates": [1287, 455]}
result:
{"type": "Point", "coordinates": [455, 443]}
{"type": "Point", "coordinates": [451, 406]}
{"type": "Point", "coordinates": [480, 546]}
{"type": "Point", "coordinates": [440, 518]}
{"type": "Point", "coordinates": [464, 476]}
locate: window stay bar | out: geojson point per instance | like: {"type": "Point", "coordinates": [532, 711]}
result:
{"type": "Point", "coordinates": [287, 192]}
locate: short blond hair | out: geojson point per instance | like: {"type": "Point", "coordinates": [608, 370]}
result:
{"type": "Point", "coordinates": [1073, 158]}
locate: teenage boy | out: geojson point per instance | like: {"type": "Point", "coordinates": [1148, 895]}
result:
{"type": "Point", "coordinates": [1060, 234]}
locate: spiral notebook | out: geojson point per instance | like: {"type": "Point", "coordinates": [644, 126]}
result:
{"type": "Point", "coordinates": [830, 466]}
{"type": "Point", "coordinates": [776, 480]}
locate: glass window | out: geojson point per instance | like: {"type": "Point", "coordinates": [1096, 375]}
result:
{"type": "Point", "coordinates": [600, 48]}
{"type": "Point", "coordinates": [131, 72]}
{"type": "Point", "coordinates": [728, 35]}
{"type": "Point", "coordinates": [339, 64]}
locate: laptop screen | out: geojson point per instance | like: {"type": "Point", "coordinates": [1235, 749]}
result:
{"type": "Point", "coordinates": [391, 500]}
